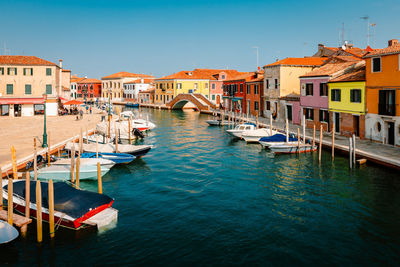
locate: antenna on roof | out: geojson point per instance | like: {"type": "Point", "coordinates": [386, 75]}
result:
{"type": "Point", "coordinates": [256, 47]}
{"type": "Point", "coordinates": [373, 25]}
{"type": "Point", "coordinates": [366, 18]}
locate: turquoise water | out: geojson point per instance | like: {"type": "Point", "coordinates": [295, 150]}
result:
{"type": "Point", "coordinates": [201, 198]}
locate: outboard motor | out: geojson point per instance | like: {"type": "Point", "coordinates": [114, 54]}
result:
{"type": "Point", "coordinates": [136, 132]}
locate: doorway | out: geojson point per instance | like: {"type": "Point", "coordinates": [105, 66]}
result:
{"type": "Point", "coordinates": [17, 110]}
{"type": "Point", "coordinates": [390, 133]}
{"type": "Point", "coordinates": [337, 122]}
{"type": "Point", "coordinates": [356, 125]}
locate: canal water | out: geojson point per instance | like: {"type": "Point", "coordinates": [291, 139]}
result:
{"type": "Point", "coordinates": [201, 198]}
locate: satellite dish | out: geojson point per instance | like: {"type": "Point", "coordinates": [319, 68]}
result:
{"type": "Point", "coordinates": [343, 47]}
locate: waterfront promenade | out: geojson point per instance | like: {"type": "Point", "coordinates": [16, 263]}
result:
{"type": "Point", "coordinates": [19, 132]}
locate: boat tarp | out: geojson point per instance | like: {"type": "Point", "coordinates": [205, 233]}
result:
{"type": "Point", "coordinates": [277, 138]}
{"type": "Point", "coordinates": [74, 202]}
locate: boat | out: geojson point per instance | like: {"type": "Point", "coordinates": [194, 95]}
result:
{"type": "Point", "coordinates": [86, 161]}
{"type": "Point", "coordinates": [219, 122]}
{"type": "Point", "coordinates": [135, 150]}
{"type": "Point", "coordinates": [132, 105]}
{"type": "Point", "coordinates": [292, 148]}
{"type": "Point", "coordinates": [117, 158]}
{"type": "Point", "coordinates": [239, 129]}
{"type": "Point", "coordinates": [7, 232]}
{"type": "Point", "coordinates": [252, 136]}
{"type": "Point", "coordinates": [73, 208]}
{"type": "Point", "coordinates": [128, 114]}
{"type": "Point", "coordinates": [63, 172]}
{"type": "Point", "coordinates": [277, 139]}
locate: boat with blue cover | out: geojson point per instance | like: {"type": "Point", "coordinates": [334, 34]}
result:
{"type": "Point", "coordinates": [117, 158]}
{"type": "Point", "coordinates": [277, 139]}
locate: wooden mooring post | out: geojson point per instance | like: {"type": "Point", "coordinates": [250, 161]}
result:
{"type": "Point", "coordinates": [27, 194]}
{"type": "Point", "coordinates": [304, 129]}
{"type": "Point", "coordinates": [73, 163]}
{"type": "Point", "coordinates": [99, 181]}
{"type": "Point", "coordinates": [270, 124]}
{"type": "Point", "coordinates": [1, 189]}
{"type": "Point", "coordinates": [116, 139]}
{"type": "Point", "coordinates": [313, 137]}
{"type": "Point", "coordinates": [320, 143]}
{"type": "Point", "coordinates": [333, 142]}
{"type": "Point", "coordinates": [298, 140]}
{"type": "Point", "coordinates": [10, 202]}
{"type": "Point", "coordinates": [78, 162]}
{"type": "Point", "coordinates": [354, 150]}
{"type": "Point", "coordinates": [350, 152]}
{"type": "Point", "coordinates": [129, 130]}
{"type": "Point", "coordinates": [39, 225]}
{"type": "Point", "coordinates": [35, 158]}
{"type": "Point", "coordinates": [287, 131]}
{"type": "Point", "coordinates": [51, 208]}
{"type": "Point", "coordinates": [48, 149]}
{"type": "Point", "coordinates": [14, 163]}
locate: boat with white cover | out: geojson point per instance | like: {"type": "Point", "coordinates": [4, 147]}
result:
{"type": "Point", "coordinates": [63, 172]}
{"type": "Point", "coordinates": [252, 136]}
{"type": "Point", "coordinates": [219, 122]}
{"type": "Point", "coordinates": [239, 129]}
{"type": "Point", "coordinates": [135, 150]}
{"type": "Point", "coordinates": [86, 161]}
{"type": "Point", "coordinates": [277, 139]}
{"type": "Point", "coordinates": [292, 148]}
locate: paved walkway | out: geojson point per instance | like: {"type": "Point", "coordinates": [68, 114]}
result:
{"type": "Point", "coordinates": [373, 151]}
{"type": "Point", "coordinates": [19, 132]}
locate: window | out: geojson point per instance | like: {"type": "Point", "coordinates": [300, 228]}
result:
{"type": "Point", "coordinates": [335, 95]}
{"type": "Point", "coordinates": [167, 97]}
{"type": "Point", "coordinates": [276, 83]}
{"type": "Point", "coordinates": [38, 109]}
{"type": "Point", "coordinates": [172, 86]}
{"type": "Point", "coordinates": [256, 89]}
{"type": "Point", "coordinates": [323, 89]}
{"type": "Point", "coordinates": [248, 89]}
{"type": "Point", "coordinates": [12, 71]}
{"type": "Point", "coordinates": [179, 86]}
{"type": "Point", "coordinates": [213, 97]}
{"type": "Point", "coordinates": [387, 102]}
{"type": "Point", "coordinates": [355, 95]}
{"type": "Point", "coordinates": [167, 85]}
{"type": "Point", "coordinates": [28, 71]}
{"type": "Point", "coordinates": [156, 97]}
{"type": "Point", "coordinates": [376, 64]}
{"type": "Point", "coordinates": [309, 112]}
{"type": "Point", "coordinates": [309, 89]}
{"type": "Point", "coordinates": [255, 105]}
{"type": "Point", "coordinates": [28, 89]}
{"type": "Point", "coordinates": [206, 85]}
{"type": "Point", "coordinates": [222, 77]}
{"type": "Point", "coordinates": [195, 86]}
{"type": "Point", "coordinates": [323, 115]}
{"type": "Point", "coordinates": [267, 83]}
{"type": "Point", "coordinates": [268, 105]}
{"type": "Point", "coordinates": [289, 112]}
{"type": "Point", "coordinates": [241, 87]}
{"type": "Point", "coordinates": [49, 89]}
{"type": "Point", "coordinates": [10, 89]}
{"type": "Point", "coordinates": [5, 110]}
{"type": "Point", "coordinates": [213, 86]}
{"type": "Point", "coordinates": [48, 71]}
{"type": "Point", "coordinates": [1, 71]}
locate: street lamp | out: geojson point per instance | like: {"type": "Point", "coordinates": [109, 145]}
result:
{"type": "Point", "coordinates": [109, 113]}
{"type": "Point", "coordinates": [44, 124]}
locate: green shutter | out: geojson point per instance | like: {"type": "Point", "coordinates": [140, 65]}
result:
{"type": "Point", "coordinates": [10, 88]}
{"type": "Point", "coordinates": [8, 71]}
{"type": "Point", "coordinates": [48, 72]}
{"type": "Point", "coordinates": [15, 71]}
{"type": "Point", "coordinates": [48, 89]}
{"type": "Point", "coordinates": [31, 71]}
{"type": "Point", "coordinates": [24, 71]}
{"type": "Point", "coordinates": [28, 89]}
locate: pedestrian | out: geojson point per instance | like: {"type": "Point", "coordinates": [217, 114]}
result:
{"type": "Point", "coordinates": [81, 114]}
{"type": "Point", "coordinates": [90, 109]}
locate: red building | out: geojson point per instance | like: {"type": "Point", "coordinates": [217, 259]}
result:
{"type": "Point", "coordinates": [89, 89]}
{"type": "Point", "coordinates": [254, 95]}
{"type": "Point", "coordinates": [235, 92]}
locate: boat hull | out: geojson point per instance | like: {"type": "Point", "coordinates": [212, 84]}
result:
{"type": "Point", "coordinates": [64, 173]}
{"type": "Point", "coordinates": [268, 144]}
{"type": "Point", "coordinates": [292, 149]}
{"type": "Point", "coordinates": [117, 158]}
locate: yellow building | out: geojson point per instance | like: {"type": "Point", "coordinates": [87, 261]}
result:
{"type": "Point", "coordinates": [347, 102]}
{"type": "Point", "coordinates": [183, 82]}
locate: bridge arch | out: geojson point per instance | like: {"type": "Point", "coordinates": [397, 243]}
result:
{"type": "Point", "coordinates": [181, 103]}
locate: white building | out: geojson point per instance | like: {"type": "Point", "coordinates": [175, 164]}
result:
{"type": "Point", "coordinates": [74, 86]}
{"type": "Point", "coordinates": [132, 89]}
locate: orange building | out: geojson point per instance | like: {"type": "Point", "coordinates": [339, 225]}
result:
{"type": "Point", "coordinates": [382, 122]}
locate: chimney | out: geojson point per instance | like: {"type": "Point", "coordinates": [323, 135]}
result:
{"type": "Point", "coordinates": [320, 46]}
{"type": "Point", "coordinates": [393, 42]}
{"type": "Point", "coordinates": [60, 60]}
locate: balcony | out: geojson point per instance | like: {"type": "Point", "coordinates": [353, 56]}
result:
{"type": "Point", "coordinates": [387, 109]}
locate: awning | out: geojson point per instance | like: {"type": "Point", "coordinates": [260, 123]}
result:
{"type": "Point", "coordinates": [73, 102]}
{"type": "Point", "coordinates": [10, 101]}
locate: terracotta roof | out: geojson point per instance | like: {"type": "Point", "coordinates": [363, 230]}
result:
{"type": "Point", "coordinates": [89, 80]}
{"type": "Point", "coordinates": [75, 79]}
{"type": "Point", "coordinates": [244, 76]}
{"type": "Point", "coordinates": [147, 91]}
{"type": "Point", "coordinates": [394, 49]}
{"type": "Point", "coordinates": [206, 74]}
{"type": "Point", "coordinates": [302, 61]}
{"type": "Point", "coordinates": [124, 74]}
{"type": "Point", "coordinates": [140, 81]}
{"type": "Point", "coordinates": [259, 79]}
{"type": "Point", "coordinates": [356, 74]}
{"type": "Point", "coordinates": [332, 48]}
{"type": "Point", "coordinates": [328, 69]}
{"type": "Point", "coordinates": [291, 97]}
{"type": "Point", "coordinates": [64, 70]}
{"type": "Point", "coordinates": [24, 60]}
{"type": "Point", "coordinates": [358, 52]}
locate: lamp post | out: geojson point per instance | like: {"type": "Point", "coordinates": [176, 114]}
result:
{"type": "Point", "coordinates": [109, 114]}
{"type": "Point", "coordinates": [44, 124]}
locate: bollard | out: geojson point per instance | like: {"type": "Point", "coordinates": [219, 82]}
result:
{"type": "Point", "coordinates": [333, 142]}
{"type": "Point", "coordinates": [48, 149]}
{"type": "Point", "coordinates": [39, 212]}
{"type": "Point", "coordinates": [34, 158]}
{"type": "Point", "coordinates": [10, 202]}
{"type": "Point", "coordinates": [320, 143]}
{"type": "Point", "coordinates": [51, 208]}
{"type": "Point", "coordinates": [78, 162]}
{"type": "Point", "coordinates": [100, 185]}
{"type": "Point", "coordinates": [27, 194]}
{"type": "Point", "coordinates": [350, 153]}
{"type": "Point", "coordinates": [354, 150]}
{"type": "Point", "coordinates": [304, 129]}
{"type": "Point", "coordinates": [313, 137]}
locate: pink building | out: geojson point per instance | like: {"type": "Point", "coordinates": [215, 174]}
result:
{"type": "Point", "coordinates": [216, 90]}
{"type": "Point", "coordinates": [293, 109]}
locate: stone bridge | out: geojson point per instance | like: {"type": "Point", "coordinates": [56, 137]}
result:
{"type": "Point", "coordinates": [198, 100]}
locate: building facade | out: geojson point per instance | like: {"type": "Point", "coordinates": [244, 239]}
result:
{"type": "Point", "coordinates": [347, 102]}
{"type": "Point", "coordinates": [216, 84]}
{"type": "Point", "coordinates": [133, 88]}
{"type": "Point", "coordinates": [254, 95]}
{"type": "Point", "coordinates": [89, 89]}
{"type": "Point", "coordinates": [24, 80]}
{"type": "Point", "coordinates": [281, 79]}
{"type": "Point", "coordinates": [235, 92]}
{"type": "Point", "coordinates": [146, 97]}
{"type": "Point", "coordinates": [382, 121]}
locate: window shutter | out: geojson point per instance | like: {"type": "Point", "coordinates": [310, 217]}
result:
{"type": "Point", "coordinates": [15, 71]}
{"type": "Point", "coordinates": [24, 71]}
{"type": "Point", "coordinates": [8, 71]}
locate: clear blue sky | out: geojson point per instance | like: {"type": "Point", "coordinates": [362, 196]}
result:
{"type": "Point", "coordinates": [97, 38]}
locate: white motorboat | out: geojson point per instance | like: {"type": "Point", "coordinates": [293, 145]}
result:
{"type": "Point", "coordinates": [63, 172]}
{"type": "Point", "coordinates": [135, 150]}
{"type": "Point", "coordinates": [239, 129]}
{"type": "Point", "coordinates": [252, 136]}
{"type": "Point", "coordinates": [277, 139]}
{"type": "Point", "coordinates": [219, 122]}
{"type": "Point", "coordinates": [87, 161]}
{"type": "Point", "coordinates": [292, 148]}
